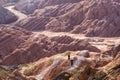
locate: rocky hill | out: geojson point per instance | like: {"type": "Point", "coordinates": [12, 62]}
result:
{"type": "Point", "coordinates": [29, 6]}
{"type": "Point", "coordinates": [89, 17]}
{"type": "Point", "coordinates": [41, 45]}
{"type": "Point", "coordinates": [29, 47]}
{"type": "Point", "coordinates": [35, 56]}
{"type": "Point", "coordinates": [58, 67]}
{"type": "Point", "coordinates": [6, 16]}
{"type": "Point", "coordinates": [9, 37]}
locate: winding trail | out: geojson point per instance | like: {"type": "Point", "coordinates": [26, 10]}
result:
{"type": "Point", "coordinates": [19, 14]}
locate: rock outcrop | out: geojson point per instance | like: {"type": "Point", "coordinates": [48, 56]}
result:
{"type": "Point", "coordinates": [19, 50]}
{"type": "Point", "coordinates": [37, 48]}
{"type": "Point", "coordinates": [6, 16]}
{"type": "Point", "coordinates": [43, 46]}
{"type": "Point", "coordinates": [89, 17]}
{"type": "Point", "coordinates": [54, 67]}
{"type": "Point", "coordinates": [110, 71]}
{"type": "Point", "coordinates": [11, 38]}
{"type": "Point", "coordinates": [27, 55]}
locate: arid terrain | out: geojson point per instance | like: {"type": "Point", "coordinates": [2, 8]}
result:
{"type": "Point", "coordinates": [60, 40]}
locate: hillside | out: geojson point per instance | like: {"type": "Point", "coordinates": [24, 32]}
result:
{"type": "Point", "coordinates": [35, 56]}
{"type": "Point", "coordinates": [60, 40]}
{"type": "Point", "coordinates": [29, 6]}
{"type": "Point", "coordinates": [84, 67]}
{"type": "Point", "coordinates": [6, 16]}
{"type": "Point", "coordinates": [19, 50]}
{"type": "Point", "coordinates": [9, 37]}
{"type": "Point", "coordinates": [89, 17]}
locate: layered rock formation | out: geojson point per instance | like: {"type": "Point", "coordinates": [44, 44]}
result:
{"type": "Point", "coordinates": [89, 17]}
{"type": "Point", "coordinates": [30, 55]}
{"type": "Point", "coordinates": [43, 69]}
{"type": "Point", "coordinates": [29, 6]}
{"type": "Point", "coordinates": [11, 38]}
{"type": "Point", "coordinates": [19, 50]}
{"type": "Point", "coordinates": [110, 71]}
{"type": "Point", "coordinates": [54, 67]}
{"type": "Point", "coordinates": [6, 16]}
{"type": "Point", "coordinates": [31, 47]}
{"type": "Point", "coordinates": [42, 54]}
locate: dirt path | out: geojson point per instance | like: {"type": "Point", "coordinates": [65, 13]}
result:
{"type": "Point", "coordinates": [17, 13]}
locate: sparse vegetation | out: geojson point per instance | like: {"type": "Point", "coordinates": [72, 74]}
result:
{"type": "Point", "coordinates": [29, 71]}
{"type": "Point", "coordinates": [4, 73]}
{"type": "Point", "coordinates": [99, 76]}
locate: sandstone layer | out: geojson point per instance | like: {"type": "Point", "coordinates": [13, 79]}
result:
{"type": "Point", "coordinates": [29, 6]}
{"type": "Point", "coordinates": [87, 67]}
{"type": "Point", "coordinates": [89, 17]}
{"type": "Point", "coordinates": [30, 47]}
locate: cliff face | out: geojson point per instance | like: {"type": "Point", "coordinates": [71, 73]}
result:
{"type": "Point", "coordinates": [89, 17]}
{"type": "Point", "coordinates": [6, 16]}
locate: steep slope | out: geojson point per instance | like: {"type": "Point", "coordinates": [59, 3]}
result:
{"type": "Point", "coordinates": [89, 17]}
{"type": "Point", "coordinates": [110, 71]}
{"type": "Point", "coordinates": [58, 67]}
{"type": "Point", "coordinates": [40, 46]}
{"type": "Point", "coordinates": [29, 47]}
{"type": "Point", "coordinates": [11, 38]}
{"type": "Point", "coordinates": [83, 68]}
{"type": "Point", "coordinates": [29, 6]}
{"type": "Point", "coordinates": [38, 50]}
{"type": "Point", "coordinates": [6, 16]}
{"type": "Point", "coordinates": [54, 66]}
